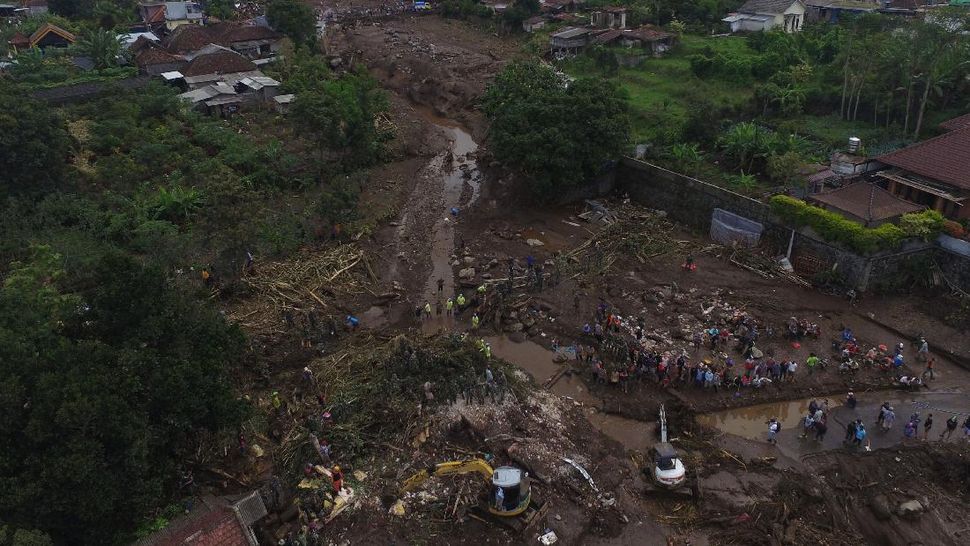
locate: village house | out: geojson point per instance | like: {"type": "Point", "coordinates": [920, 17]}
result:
{"type": "Point", "coordinates": [934, 172]}
{"type": "Point", "coordinates": [213, 522]}
{"type": "Point", "coordinates": [831, 10]}
{"type": "Point", "coordinates": [865, 203]}
{"type": "Point", "coordinates": [570, 40]}
{"type": "Point", "coordinates": [50, 35]}
{"type": "Point", "coordinates": [648, 38]}
{"type": "Point", "coordinates": [533, 23]}
{"type": "Point", "coordinates": [170, 15]}
{"type": "Point", "coordinates": [757, 15]}
{"type": "Point", "coordinates": [34, 7]}
{"type": "Point", "coordinates": [252, 41]}
{"type": "Point", "coordinates": [609, 17]}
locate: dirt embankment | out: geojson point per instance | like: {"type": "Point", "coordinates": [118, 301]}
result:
{"type": "Point", "coordinates": [441, 64]}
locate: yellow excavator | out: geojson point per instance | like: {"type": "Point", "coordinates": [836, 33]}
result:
{"type": "Point", "coordinates": [509, 499]}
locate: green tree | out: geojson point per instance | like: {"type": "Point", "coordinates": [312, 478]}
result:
{"type": "Point", "coordinates": [108, 377]}
{"type": "Point", "coordinates": [340, 118]}
{"type": "Point", "coordinates": [111, 14]}
{"type": "Point", "coordinates": [556, 136]}
{"type": "Point", "coordinates": [72, 9]}
{"type": "Point", "coordinates": [293, 18]}
{"type": "Point", "coordinates": [222, 9]}
{"type": "Point", "coordinates": [34, 145]}
{"type": "Point", "coordinates": [102, 46]}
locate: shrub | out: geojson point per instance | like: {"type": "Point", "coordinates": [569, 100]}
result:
{"type": "Point", "coordinates": [954, 229]}
{"type": "Point", "coordinates": [833, 227]}
{"type": "Point", "coordinates": [925, 225]}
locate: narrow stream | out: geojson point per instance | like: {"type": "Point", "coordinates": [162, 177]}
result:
{"type": "Point", "coordinates": [457, 167]}
{"type": "Point", "coordinates": [750, 422]}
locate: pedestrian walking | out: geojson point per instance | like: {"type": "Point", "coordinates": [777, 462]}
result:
{"type": "Point", "coordinates": [449, 306]}
{"type": "Point", "coordinates": [850, 430]}
{"type": "Point", "coordinates": [951, 425]}
{"type": "Point", "coordinates": [820, 429]}
{"type": "Point", "coordinates": [441, 285]}
{"type": "Point", "coordinates": [811, 362]}
{"type": "Point", "coordinates": [930, 364]}
{"type": "Point", "coordinates": [927, 425]}
{"type": "Point", "coordinates": [475, 321]}
{"type": "Point", "coordinates": [427, 310]}
{"type": "Point", "coordinates": [774, 427]}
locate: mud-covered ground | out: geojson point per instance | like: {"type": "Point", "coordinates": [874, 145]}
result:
{"type": "Point", "coordinates": [752, 493]}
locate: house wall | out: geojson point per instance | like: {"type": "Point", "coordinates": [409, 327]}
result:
{"type": "Point", "coordinates": [692, 202]}
{"type": "Point", "coordinates": [251, 48]}
{"type": "Point", "coordinates": [157, 69]}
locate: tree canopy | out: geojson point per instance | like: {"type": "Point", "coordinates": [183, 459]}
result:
{"type": "Point", "coordinates": [106, 375]}
{"type": "Point", "coordinates": [339, 115]}
{"type": "Point", "coordinates": [557, 134]}
{"type": "Point", "coordinates": [293, 18]}
{"type": "Point", "coordinates": [34, 145]}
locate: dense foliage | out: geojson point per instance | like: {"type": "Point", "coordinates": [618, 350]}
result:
{"type": "Point", "coordinates": [339, 115]}
{"type": "Point", "coordinates": [34, 145]}
{"type": "Point", "coordinates": [557, 135]}
{"type": "Point", "coordinates": [108, 375]}
{"type": "Point", "coordinates": [293, 18]}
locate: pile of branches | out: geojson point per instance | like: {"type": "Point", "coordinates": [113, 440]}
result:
{"type": "Point", "coordinates": [374, 390]}
{"type": "Point", "coordinates": [637, 232]}
{"type": "Point", "coordinates": [301, 283]}
{"type": "Point", "coordinates": [764, 266]}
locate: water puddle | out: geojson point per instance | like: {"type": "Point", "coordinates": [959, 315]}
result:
{"type": "Point", "coordinates": [538, 362]}
{"type": "Point", "coordinates": [457, 167]}
{"type": "Point", "coordinates": [750, 422]}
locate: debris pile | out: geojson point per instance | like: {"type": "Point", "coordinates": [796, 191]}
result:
{"type": "Point", "coordinates": [633, 230]}
{"type": "Point", "coordinates": [300, 284]}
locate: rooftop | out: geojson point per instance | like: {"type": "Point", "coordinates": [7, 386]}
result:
{"type": "Point", "coordinates": [956, 123]}
{"type": "Point", "coordinates": [766, 6]}
{"type": "Point", "coordinates": [945, 158]}
{"type": "Point", "coordinates": [221, 62]}
{"type": "Point", "coordinates": [866, 201]}
{"type": "Point", "coordinates": [192, 37]}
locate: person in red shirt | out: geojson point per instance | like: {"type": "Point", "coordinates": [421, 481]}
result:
{"type": "Point", "coordinates": [338, 479]}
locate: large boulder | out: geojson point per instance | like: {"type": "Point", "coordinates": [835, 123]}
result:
{"type": "Point", "coordinates": [910, 509]}
{"type": "Point", "coordinates": [466, 274]}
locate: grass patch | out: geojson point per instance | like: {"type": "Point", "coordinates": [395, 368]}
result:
{"type": "Point", "coordinates": [662, 90]}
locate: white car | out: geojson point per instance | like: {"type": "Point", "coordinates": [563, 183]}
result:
{"type": "Point", "coordinates": [668, 470]}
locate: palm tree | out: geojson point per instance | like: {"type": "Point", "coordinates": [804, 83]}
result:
{"type": "Point", "coordinates": [102, 46]}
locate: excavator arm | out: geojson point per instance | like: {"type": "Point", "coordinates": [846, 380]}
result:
{"type": "Point", "coordinates": [445, 469]}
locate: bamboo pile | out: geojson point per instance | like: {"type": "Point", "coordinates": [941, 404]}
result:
{"type": "Point", "coordinates": [635, 231]}
{"type": "Point", "coordinates": [309, 281]}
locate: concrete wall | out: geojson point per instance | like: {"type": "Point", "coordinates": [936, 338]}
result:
{"type": "Point", "coordinates": [692, 202]}
{"type": "Point", "coordinates": [686, 200]}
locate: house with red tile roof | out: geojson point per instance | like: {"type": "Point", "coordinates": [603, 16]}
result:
{"type": "Point", "coordinates": [866, 203]}
{"type": "Point", "coordinates": [934, 172]}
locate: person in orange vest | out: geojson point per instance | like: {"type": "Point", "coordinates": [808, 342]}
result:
{"type": "Point", "coordinates": [206, 277]}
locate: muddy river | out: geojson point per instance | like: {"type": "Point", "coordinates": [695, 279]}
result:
{"type": "Point", "coordinates": [751, 422]}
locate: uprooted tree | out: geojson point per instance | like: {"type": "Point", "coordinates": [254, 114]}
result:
{"type": "Point", "coordinates": [557, 134]}
{"type": "Point", "coordinates": [106, 378]}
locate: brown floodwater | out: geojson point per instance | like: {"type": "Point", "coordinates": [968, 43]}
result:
{"type": "Point", "coordinates": [538, 362]}
{"type": "Point", "coordinates": [751, 422]}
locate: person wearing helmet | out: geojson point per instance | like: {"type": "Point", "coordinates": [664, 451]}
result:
{"type": "Point", "coordinates": [338, 479]}
{"type": "Point", "coordinates": [850, 400]}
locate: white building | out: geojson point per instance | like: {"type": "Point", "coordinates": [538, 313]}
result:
{"type": "Point", "coordinates": [756, 15]}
